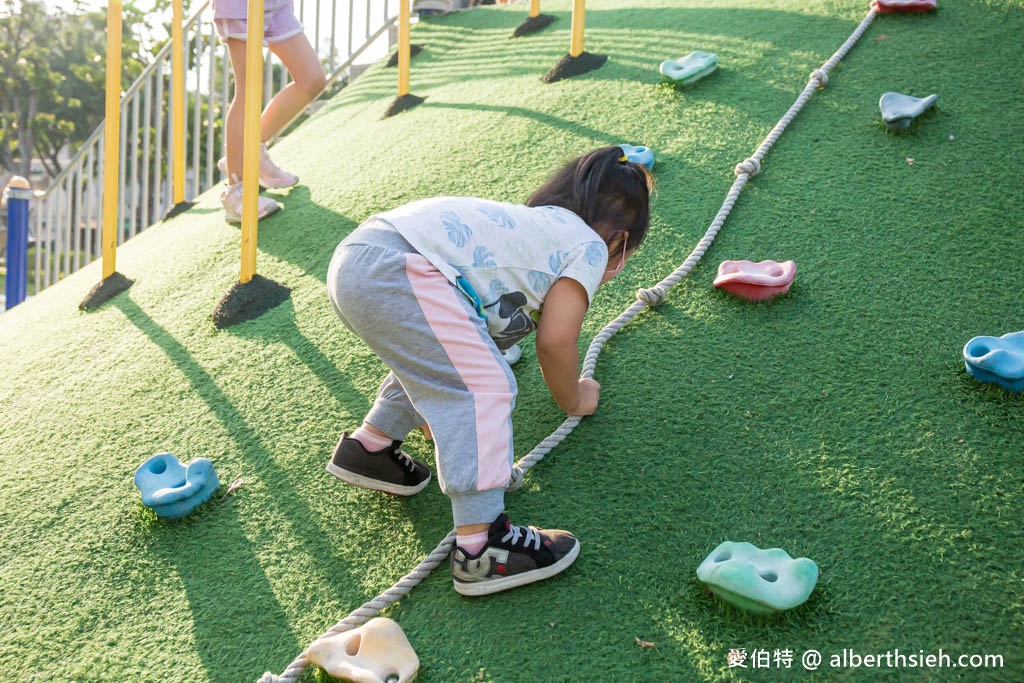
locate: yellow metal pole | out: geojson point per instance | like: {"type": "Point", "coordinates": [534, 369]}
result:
{"type": "Point", "coordinates": [403, 48]}
{"type": "Point", "coordinates": [534, 8]}
{"type": "Point", "coordinates": [251, 139]}
{"type": "Point", "coordinates": [177, 106]}
{"type": "Point", "coordinates": [112, 134]}
{"type": "Point", "coordinates": [578, 19]}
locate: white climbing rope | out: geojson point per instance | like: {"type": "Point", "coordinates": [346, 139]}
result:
{"type": "Point", "coordinates": [646, 298]}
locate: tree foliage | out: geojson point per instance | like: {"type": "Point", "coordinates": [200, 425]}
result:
{"type": "Point", "coordinates": [52, 78]}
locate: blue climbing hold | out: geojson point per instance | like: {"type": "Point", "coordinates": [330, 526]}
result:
{"type": "Point", "coordinates": [899, 111]}
{"type": "Point", "coordinates": [997, 359]}
{"type": "Point", "coordinates": [172, 489]}
{"type": "Point", "coordinates": [690, 68]}
{"type": "Point", "coordinates": [639, 155]}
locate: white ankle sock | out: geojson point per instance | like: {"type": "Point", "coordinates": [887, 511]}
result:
{"type": "Point", "coordinates": [370, 441]}
{"type": "Point", "coordinates": [472, 543]}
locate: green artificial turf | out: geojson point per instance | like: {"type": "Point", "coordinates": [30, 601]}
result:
{"type": "Point", "coordinates": [836, 422]}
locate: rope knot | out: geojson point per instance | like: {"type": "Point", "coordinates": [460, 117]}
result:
{"type": "Point", "coordinates": [516, 479]}
{"type": "Point", "coordinates": [652, 297]}
{"type": "Point", "coordinates": [821, 77]}
{"type": "Point", "coordinates": [749, 166]}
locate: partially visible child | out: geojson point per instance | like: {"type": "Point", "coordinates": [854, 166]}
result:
{"type": "Point", "coordinates": [282, 33]}
{"type": "Point", "coordinates": [437, 288]}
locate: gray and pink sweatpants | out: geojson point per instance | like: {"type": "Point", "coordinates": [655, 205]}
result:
{"type": "Point", "coordinates": [446, 371]}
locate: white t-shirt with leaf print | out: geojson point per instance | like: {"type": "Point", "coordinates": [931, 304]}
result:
{"type": "Point", "coordinates": [510, 254]}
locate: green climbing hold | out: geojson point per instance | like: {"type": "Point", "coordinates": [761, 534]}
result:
{"type": "Point", "coordinates": [758, 581]}
{"type": "Point", "coordinates": [690, 68]}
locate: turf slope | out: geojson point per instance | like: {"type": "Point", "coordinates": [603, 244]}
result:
{"type": "Point", "coordinates": [837, 422]}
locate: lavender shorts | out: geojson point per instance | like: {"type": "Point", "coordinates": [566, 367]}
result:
{"type": "Point", "coordinates": [278, 24]}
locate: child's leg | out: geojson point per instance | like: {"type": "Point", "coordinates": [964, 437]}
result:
{"type": "Point", "coordinates": [393, 414]}
{"type": "Point", "coordinates": [448, 366]}
{"type": "Point", "coordinates": [234, 122]}
{"type": "Point", "coordinates": [391, 418]}
{"type": "Point", "coordinates": [454, 376]}
{"type": "Point", "coordinates": [308, 80]}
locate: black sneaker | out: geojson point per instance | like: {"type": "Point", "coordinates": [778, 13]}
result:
{"type": "Point", "coordinates": [514, 556]}
{"type": "Point", "coordinates": [388, 470]}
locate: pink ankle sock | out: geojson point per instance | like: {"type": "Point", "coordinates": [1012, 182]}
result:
{"type": "Point", "coordinates": [472, 543]}
{"type": "Point", "coordinates": [371, 442]}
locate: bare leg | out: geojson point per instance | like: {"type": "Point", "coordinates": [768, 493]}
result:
{"type": "Point", "coordinates": [234, 122]}
{"type": "Point", "coordinates": [373, 430]}
{"type": "Point", "coordinates": [308, 80]}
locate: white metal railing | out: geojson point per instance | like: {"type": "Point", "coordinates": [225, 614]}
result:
{"type": "Point", "coordinates": [66, 220]}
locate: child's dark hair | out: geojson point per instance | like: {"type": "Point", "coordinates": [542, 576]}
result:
{"type": "Point", "coordinates": [606, 191]}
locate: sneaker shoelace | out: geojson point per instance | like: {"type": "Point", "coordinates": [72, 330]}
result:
{"type": "Point", "coordinates": [529, 535]}
{"type": "Point", "coordinates": [405, 459]}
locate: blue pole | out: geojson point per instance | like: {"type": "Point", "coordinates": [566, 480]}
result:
{"type": "Point", "coordinates": [18, 193]}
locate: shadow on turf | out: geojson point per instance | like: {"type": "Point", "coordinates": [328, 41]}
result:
{"type": "Point", "coordinates": [438, 67]}
{"type": "Point", "coordinates": [310, 234]}
{"type": "Point", "coordinates": [281, 484]}
{"type": "Point", "coordinates": [431, 511]}
{"type": "Point", "coordinates": [540, 117]}
{"type": "Point", "coordinates": [232, 603]}
{"type": "Point", "coordinates": [285, 331]}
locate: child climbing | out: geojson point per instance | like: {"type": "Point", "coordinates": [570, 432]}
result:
{"type": "Point", "coordinates": [437, 288]}
{"type": "Point", "coordinates": [282, 33]}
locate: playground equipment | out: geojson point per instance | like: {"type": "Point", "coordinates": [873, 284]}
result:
{"type": "Point", "coordinates": [755, 281]}
{"type": "Point", "coordinates": [997, 359]}
{"type": "Point", "coordinates": [639, 155]}
{"type": "Point", "coordinates": [534, 22]}
{"type": "Point", "coordinates": [892, 6]}
{"type": "Point", "coordinates": [405, 99]}
{"type": "Point", "coordinates": [577, 61]}
{"type": "Point", "coordinates": [646, 298]}
{"type": "Point", "coordinates": [899, 111]}
{"type": "Point", "coordinates": [689, 69]}
{"type": "Point", "coordinates": [111, 282]}
{"type": "Point", "coordinates": [17, 195]}
{"type": "Point", "coordinates": [425, 8]}
{"type": "Point", "coordinates": [157, 172]}
{"type": "Point", "coordinates": [172, 489]}
{"type": "Point", "coordinates": [253, 294]}
{"type": "Point", "coordinates": [376, 652]}
{"type": "Point", "coordinates": [758, 581]}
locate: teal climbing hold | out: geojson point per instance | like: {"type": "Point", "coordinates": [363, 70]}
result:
{"type": "Point", "coordinates": [758, 581]}
{"type": "Point", "coordinates": [172, 489]}
{"type": "Point", "coordinates": [999, 360]}
{"type": "Point", "coordinates": [639, 155]}
{"type": "Point", "coordinates": [899, 111]}
{"type": "Point", "coordinates": [690, 68]}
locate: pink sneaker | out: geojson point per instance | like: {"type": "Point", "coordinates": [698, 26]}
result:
{"type": "Point", "coordinates": [271, 175]}
{"type": "Point", "coordinates": [231, 200]}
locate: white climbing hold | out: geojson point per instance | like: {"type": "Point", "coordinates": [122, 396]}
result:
{"type": "Point", "coordinates": [376, 652]}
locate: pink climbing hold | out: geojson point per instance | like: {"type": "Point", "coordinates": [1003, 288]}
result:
{"type": "Point", "coordinates": [755, 281]}
{"type": "Point", "coordinates": [892, 6]}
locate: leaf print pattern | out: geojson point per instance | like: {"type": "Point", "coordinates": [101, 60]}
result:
{"type": "Point", "coordinates": [483, 258]}
{"type": "Point", "coordinates": [557, 260]}
{"type": "Point", "coordinates": [556, 213]}
{"type": "Point", "coordinates": [498, 217]}
{"type": "Point", "coordinates": [594, 253]}
{"type": "Point", "coordinates": [496, 289]}
{"type": "Point", "coordinates": [540, 282]}
{"type": "Point", "coordinates": [458, 232]}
